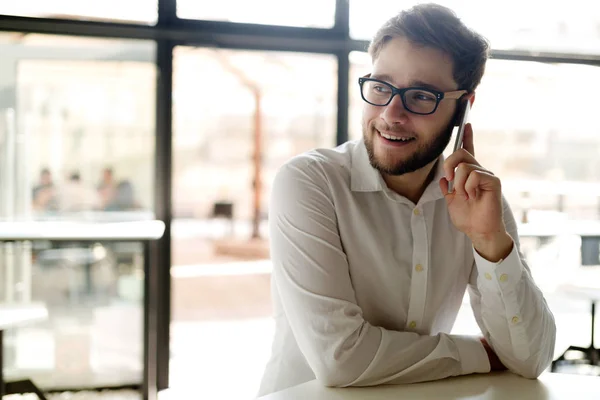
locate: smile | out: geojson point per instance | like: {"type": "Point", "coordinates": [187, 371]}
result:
{"type": "Point", "coordinates": [396, 138]}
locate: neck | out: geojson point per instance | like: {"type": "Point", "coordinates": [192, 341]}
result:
{"type": "Point", "coordinates": [411, 185]}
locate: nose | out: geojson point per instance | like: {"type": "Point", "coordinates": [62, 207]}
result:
{"type": "Point", "coordinates": [395, 112]}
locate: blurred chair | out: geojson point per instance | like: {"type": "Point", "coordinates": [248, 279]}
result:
{"type": "Point", "coordinates": [584, 285]}
{"type": "Point", "coordinates": [224, 209]}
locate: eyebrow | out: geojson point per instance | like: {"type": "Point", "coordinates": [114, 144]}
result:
{"type": "Point", "coordinates": [417, 82]}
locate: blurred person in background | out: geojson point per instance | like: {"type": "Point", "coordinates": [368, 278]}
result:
{"type": "Point", "coordinates": [107, 187]}
{"type": "Point", "coordinates": [75, 195]}
{"type": "Point", "coordinates": [44, 193]}
{"type": "Point", "coordinates": [124, 198]}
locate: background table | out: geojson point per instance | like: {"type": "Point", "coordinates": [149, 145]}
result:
{"type": "Point", "coordinates": [496, 386]}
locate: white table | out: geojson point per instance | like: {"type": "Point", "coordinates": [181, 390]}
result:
{"type": "Point", "coordinates": [588, 231]}
{"type": "Point", "coordinates": [81, 231]}
{"type": "Point", "coordinates": [496, 386]}
{"type": "Point", "coordinates": [20, 314]}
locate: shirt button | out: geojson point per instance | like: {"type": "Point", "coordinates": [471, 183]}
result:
{"type": "Point", "coordinates": [503, 278]}
{"type": "Point", "coordinates": [417, 211]}
{"type": "Point", "coordinates": [515, 320]}
{"type": "Point", "coordinates": [488, 276]}
{"type": "Point", "coordinates": [419, 268]}
{"type": "Point", "coordinates": [412, 325]}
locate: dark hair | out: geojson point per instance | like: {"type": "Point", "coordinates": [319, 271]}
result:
{"type": "Point", "coordinates": [438, 27]}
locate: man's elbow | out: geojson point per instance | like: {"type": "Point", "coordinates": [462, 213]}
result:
{"type": "Point", "coordinates": [543, 357]}
{"type": "Point", "coordinates": [532, 371]}
{"type": "Point", "coordinates": [534, 367]}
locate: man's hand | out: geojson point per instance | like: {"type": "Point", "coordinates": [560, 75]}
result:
{"type": "Point", "coordinates": [495, 363]}
{"type": "Point", "coordinates": [475, 205]}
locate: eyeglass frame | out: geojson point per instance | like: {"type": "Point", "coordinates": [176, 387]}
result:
{"type": "Point", "coordinates": [453, 95]}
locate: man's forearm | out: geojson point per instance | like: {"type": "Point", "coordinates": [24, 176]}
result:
{"type": "Point", "coordinates": [520, 326]}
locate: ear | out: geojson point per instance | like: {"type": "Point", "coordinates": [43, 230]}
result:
{"type": "Point", "coordinates": [460, 107]}
{"type": "Point", "coordinates": [472, 98]}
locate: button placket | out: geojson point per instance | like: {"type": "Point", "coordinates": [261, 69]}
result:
{"type": "Point", "coordinates": [418, 287]}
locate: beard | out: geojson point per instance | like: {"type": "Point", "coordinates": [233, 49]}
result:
{"type": "Point", "coordinates": [421, 157]}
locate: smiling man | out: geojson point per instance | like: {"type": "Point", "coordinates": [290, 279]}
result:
{"type": "Point", "coordinates": [372, 255]}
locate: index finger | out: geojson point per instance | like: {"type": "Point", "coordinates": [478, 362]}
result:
{"type": "Point", "coordinates": [468, 144]}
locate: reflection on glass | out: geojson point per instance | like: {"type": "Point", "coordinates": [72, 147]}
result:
{"type": "Point", "coordinates": [564, 27]}
{"type": "Point", "coordinates": [307, 13]}
{"type": "Point", "coordinates": [76, 143]}
{"type": "Point", "coordinates": [132, 11]}
{"type": "Point", "coordinates": [238, 116]}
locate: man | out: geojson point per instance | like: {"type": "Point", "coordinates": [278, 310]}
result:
{"type": "Point", "coordinates": [43, 194]}
{"type": "Point", "coordinates": [77, 196]}
{"type": "Point", "coordinates": [372, 255]}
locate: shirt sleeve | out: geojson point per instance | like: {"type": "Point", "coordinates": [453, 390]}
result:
{"type": "Point", "coordinates": [312, 279]}
{"type": "Point", "coordinates": [511, 310]}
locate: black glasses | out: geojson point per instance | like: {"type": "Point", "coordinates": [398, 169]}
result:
{"type": "Point", "coordinates": [417, 100]}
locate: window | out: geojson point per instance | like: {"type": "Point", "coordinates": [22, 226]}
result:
{"type": "Point", "coordinates": [563, 27]}
{"type": "Point", "coordinates": [133, 11]}
{"type": "Point", "coordinates": [76, 143]}
{"type": "Point", "coordinates": [227, 105]}
{"type": "Point", "coordinates": [309, 13]}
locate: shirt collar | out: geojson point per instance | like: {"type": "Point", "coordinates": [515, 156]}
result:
{"type": "Point", "coordinates": [365, 178]}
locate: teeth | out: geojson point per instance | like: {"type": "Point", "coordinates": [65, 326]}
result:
{"type": "Point", "coordinates": [401, 139]}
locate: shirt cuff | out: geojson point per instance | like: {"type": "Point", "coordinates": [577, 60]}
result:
{"type": "Point", "coordinates": [499, 276]}
{"type": "Point", "coordinates": [473, 357]}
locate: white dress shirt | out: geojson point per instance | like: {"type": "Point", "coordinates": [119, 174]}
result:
{"type": "Point", "coordinates": [367, 285]}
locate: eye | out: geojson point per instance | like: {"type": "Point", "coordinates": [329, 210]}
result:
{"type": "Point", "coordinates": [422, 96]}
{"type": "Point", "coordinates": [381, 89]}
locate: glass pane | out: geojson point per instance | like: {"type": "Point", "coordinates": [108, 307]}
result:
{"type": "Point", "coordinates": [221, 269]}
{"type": "Point", "coordinates": [132, 11]}
{"type": "Point", "coordinates": [564, 27]}
{"type": "Point", "coordinates": [76, 144]}
{"type": "Point", "coordinates": [536, 128]}
{"type": "Point", "coordinates": [308, 13]}
{"type": "Point", "coordinates": [360, 65]}
{"type": "Point", "coordinates": [88, 289]}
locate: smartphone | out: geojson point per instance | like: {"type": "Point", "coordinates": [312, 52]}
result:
{"type": "Point", "coordinates": [460, 135]}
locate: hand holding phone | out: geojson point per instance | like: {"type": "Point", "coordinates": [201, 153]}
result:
{"type": "Point", "coordinates": [460, 135]}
